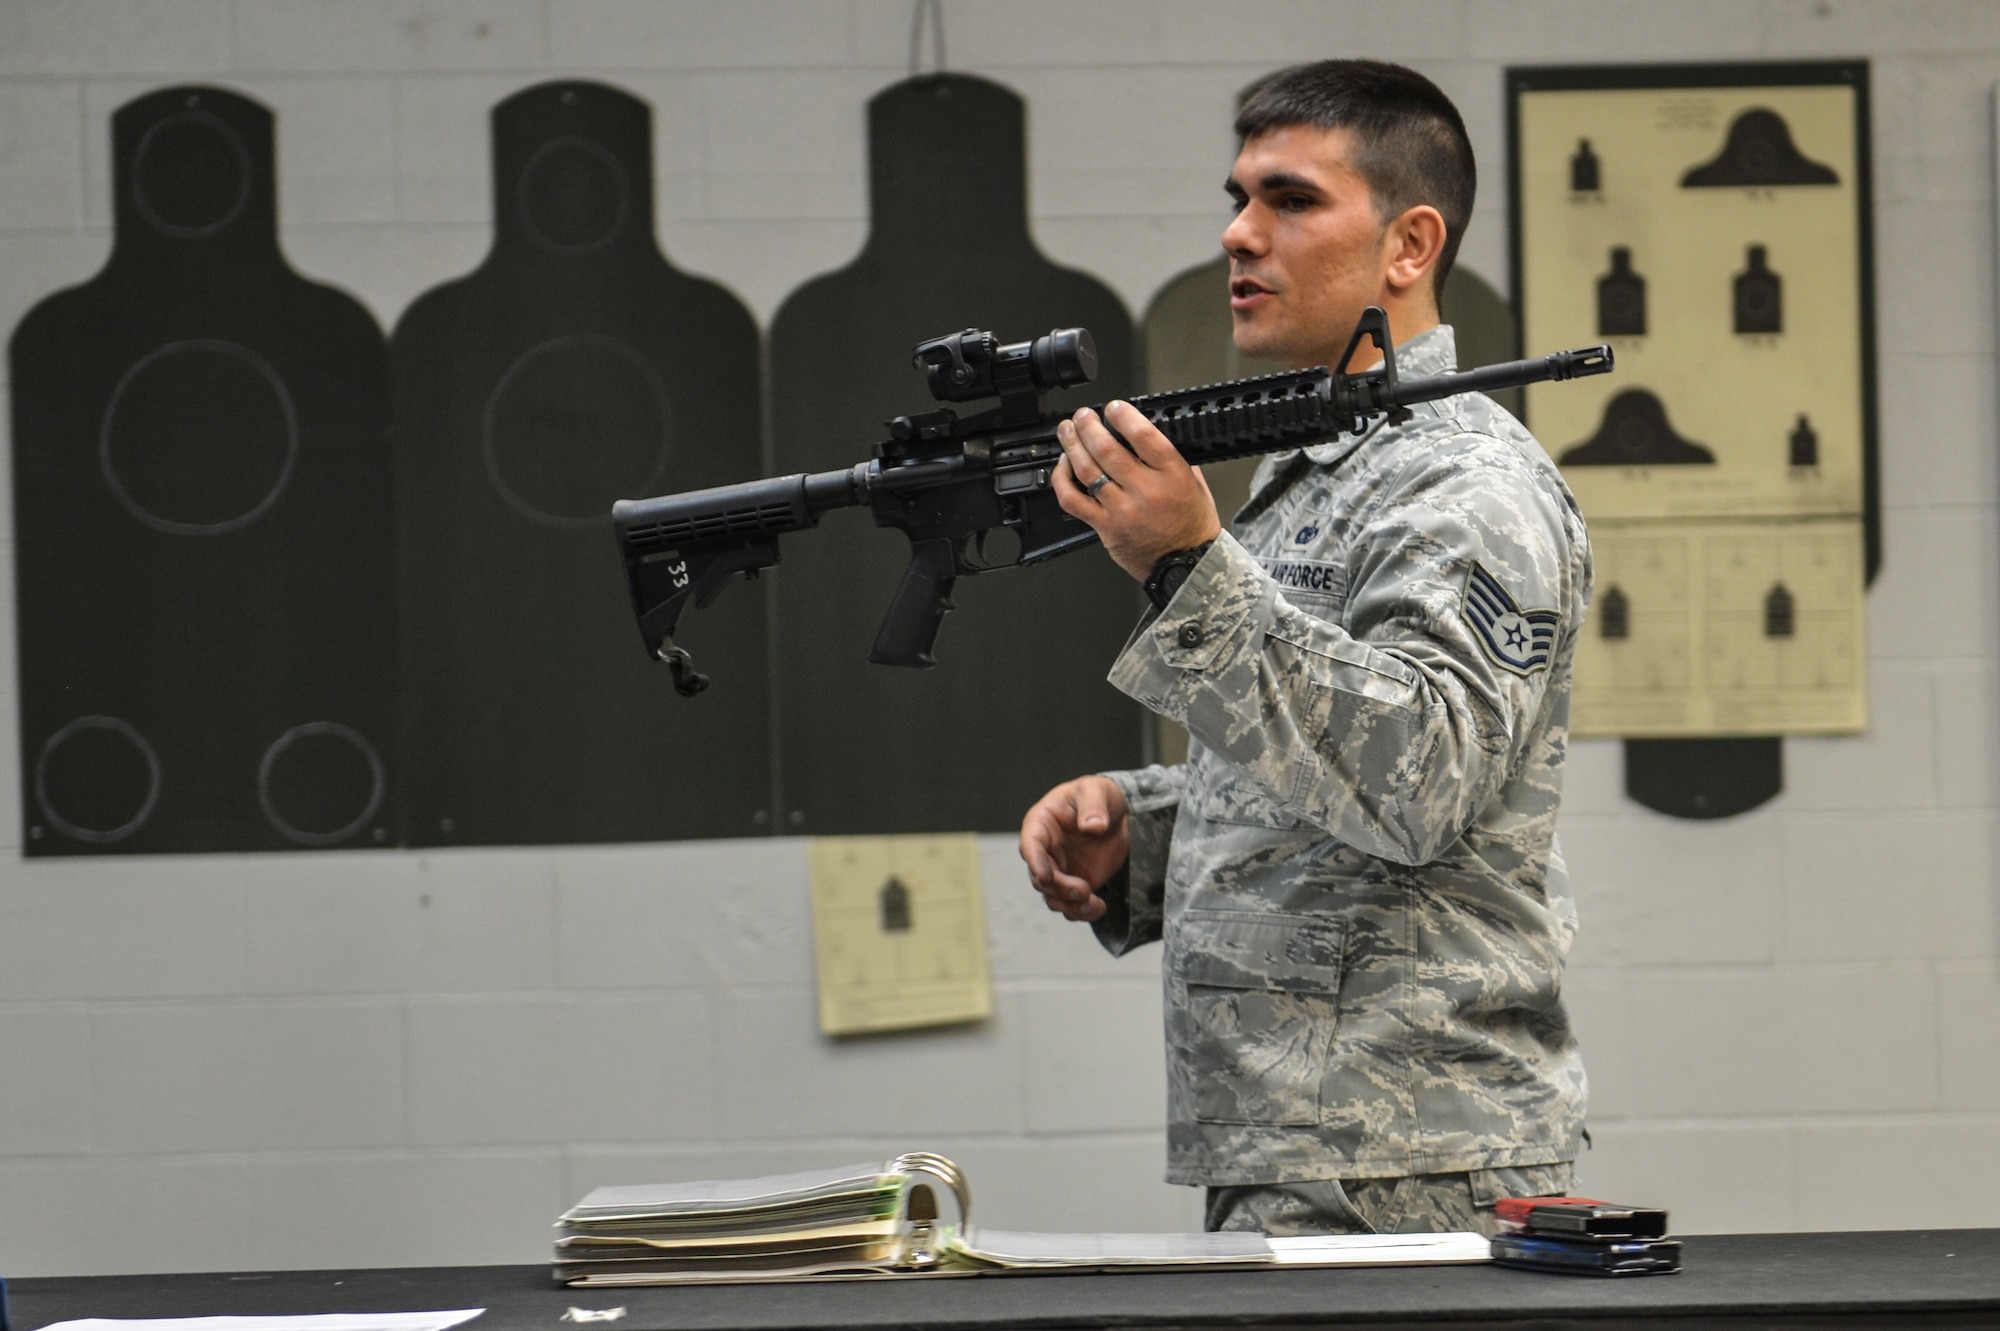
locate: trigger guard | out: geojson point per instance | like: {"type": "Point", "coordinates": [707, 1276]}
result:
{"type": "Point", "coordinates": [973, 557]}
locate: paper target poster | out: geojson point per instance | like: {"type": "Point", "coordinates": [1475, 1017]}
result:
{"type": "Point", "coordinates": [1712, 224]}
{"type": "Point", "coordinates": [899, 932]}
{"type": "Point", "coordinates": [1725, 628]}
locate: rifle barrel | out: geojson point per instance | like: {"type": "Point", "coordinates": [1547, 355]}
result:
{"type": "Point", "coordinates": [1573, 364]}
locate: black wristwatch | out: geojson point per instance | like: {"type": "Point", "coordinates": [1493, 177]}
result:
{"type": "Point", "coordinates": [1172, 570]}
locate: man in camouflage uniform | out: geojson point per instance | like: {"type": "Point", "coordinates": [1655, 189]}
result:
{"type": "Point", "coordinates": [1355, 873]}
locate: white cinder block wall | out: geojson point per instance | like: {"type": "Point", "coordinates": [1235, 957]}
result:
{"type": "Point", "coordinates": [1793, 1018]}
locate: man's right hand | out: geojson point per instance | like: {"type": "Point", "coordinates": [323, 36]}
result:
{"type": "Point", "coordinates": [1074, 840]}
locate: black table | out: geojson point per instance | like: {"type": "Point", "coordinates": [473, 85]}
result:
{"type": "Point", "coordinates": [1942, 1278]}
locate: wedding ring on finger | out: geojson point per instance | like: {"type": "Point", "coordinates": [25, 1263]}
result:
{"type": "Point", "coordinates": [1098, 484]}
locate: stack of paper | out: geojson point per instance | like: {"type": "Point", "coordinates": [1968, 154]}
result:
{"type": "Point", "coordinates": [905, 1218]}
{"type": "Point", "coordinates": [857, 1219]}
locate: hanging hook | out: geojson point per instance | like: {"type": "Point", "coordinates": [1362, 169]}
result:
{"type": "Point", "coordinates": [935, 8]}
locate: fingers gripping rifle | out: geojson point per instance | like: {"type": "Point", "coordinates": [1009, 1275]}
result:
{"type": "Point", "coordinates": [961, 486]}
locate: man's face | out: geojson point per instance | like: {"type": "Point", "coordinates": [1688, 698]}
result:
{"type": "Point", "coordinates": [1307, 253]}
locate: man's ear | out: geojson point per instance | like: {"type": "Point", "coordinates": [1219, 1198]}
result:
{"type": "Point", "coordinates": [1412, 245]}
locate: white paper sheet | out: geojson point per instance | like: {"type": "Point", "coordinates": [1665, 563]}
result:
{"type": "Point", "coordinates": [1381, 1249]}
{"type": "Point", "coordinates": [436, 1321]}
{"type": "Point", "coordinates": [1013, 1248]}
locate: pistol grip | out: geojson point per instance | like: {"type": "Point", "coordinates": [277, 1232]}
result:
{"type": "Point", "coordinates": [911, 627]}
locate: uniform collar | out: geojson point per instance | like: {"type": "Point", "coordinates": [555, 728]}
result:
{"type": "Point", "coordinates": [1433, 351]}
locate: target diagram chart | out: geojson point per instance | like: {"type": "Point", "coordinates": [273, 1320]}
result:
{"type": "Point", "coordinates": [899, 932]}
{"type": "Point", "coordinates": [1712, 224]}
{"type": "Point", "coordinates": [1750, 627]}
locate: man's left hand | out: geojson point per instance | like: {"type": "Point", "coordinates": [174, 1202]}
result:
{"type": "Point", "coordinates": [1151, 502]}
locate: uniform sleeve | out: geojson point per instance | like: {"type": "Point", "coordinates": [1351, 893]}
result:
{"type": "Point", "coordinates": [1135, 896]}
{"type": "Point", "coordinates": [1392, 728]}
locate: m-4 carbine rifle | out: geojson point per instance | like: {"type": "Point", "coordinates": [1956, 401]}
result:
{"type": "Point", "coordinates": [961, 486]}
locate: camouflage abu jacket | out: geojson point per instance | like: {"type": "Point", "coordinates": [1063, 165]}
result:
{"type": "Point", "coordinates": [1355, 873]}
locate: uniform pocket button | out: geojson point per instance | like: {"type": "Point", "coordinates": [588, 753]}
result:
{"type": "Point", "coordinates": [1190, 635]}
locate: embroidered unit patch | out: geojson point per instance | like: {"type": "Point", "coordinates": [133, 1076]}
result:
{"type": "Point", "coordinates": [1514, 639]}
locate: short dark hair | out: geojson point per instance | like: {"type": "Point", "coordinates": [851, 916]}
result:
{"type": "Point", "coordinates": [1409, 143]}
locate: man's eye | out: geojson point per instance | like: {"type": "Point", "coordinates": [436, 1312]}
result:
{"type": "Point", "coordinates": [1295, 203]}
{"type": "Point", "coordinates": [1237, 204]}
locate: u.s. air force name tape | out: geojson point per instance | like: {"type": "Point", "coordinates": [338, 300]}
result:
{"type": "Point", "coordinates": [1308, 575]}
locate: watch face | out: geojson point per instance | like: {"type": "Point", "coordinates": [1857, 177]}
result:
{"type": "Point", "coordinates": [1171, 572]}
{"type": "Point", "coordinates": [1168, 577]}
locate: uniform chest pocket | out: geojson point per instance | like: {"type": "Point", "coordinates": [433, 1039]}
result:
{"type": "Point", "coordinates": [1260, 1013]}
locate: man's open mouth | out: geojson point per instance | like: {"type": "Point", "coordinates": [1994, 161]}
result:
{"type": "Point", "coordinates": [1246, 292]}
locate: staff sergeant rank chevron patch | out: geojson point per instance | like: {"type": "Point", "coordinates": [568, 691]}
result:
{"type": "Point", "coordinates": [1514, 639]}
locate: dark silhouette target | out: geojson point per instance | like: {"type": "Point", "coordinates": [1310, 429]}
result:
{"type": "Point", "coordinates": [574, 368]}
{"type": "Point", "coordinates": [1586, 170]}
{"type": "Point", "coordinates": [1758, 295]}
{"type": "Point", "coordinates": [1759, 152]}
{"type": "Point", "coordinates": [1018, 700]}
{"type": "Point", "coordinates": [1614, 615]}
{"type": "Point", "coordinates": [1635, 433]}
{"type": "Point", "coordinates": [1802, 445]}
{"type": "Point", "coordinates": [203, 517]}
{"type": "Point", "coordinates": [1621, 298]}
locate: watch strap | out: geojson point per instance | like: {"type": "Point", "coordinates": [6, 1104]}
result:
{"type": "Point", "coordinates": [1171, 571]}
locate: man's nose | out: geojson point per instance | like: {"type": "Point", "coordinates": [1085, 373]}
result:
{"type": "Point", "coordinates": [1243, 236]}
